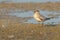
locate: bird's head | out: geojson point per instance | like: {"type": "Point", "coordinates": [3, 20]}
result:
{"type": "Point", "coordinates": [36, 11]}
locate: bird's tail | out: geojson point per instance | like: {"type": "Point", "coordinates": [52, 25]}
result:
{"type": "Point", "coordinates": [49, 18]}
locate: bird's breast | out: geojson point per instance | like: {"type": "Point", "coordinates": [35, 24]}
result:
{"type": "Point", "coordinates": [37, 18]}
{"type": "Point", "coordinates": [35, 15]}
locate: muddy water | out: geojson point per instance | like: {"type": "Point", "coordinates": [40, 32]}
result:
{"type": "Point", "coordinates": [24, 13]}
{"type": "Point", "coordinates": [45, 13]}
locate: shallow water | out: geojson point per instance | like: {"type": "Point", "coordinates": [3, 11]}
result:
{"type": "Point", "coordinates": [56, 20]}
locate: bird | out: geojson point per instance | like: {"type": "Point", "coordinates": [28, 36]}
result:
{"type": "Point", "coordinates": [40, 18]}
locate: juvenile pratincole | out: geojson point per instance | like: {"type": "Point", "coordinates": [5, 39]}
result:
{"type": "Point", "coordinates": [39, 17]}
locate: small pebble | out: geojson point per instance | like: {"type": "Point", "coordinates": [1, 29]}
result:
{"type": "Point", "coordinates": [10, 36]}
{"type": "Point", "coordinates": [3, 26]}
{"type": "Point", "coordinates": [32, 31]}
{"type": "Point", "coordinates": [40, 32]}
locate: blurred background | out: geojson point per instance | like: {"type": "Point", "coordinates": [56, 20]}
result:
{"type": "Point", "coordinates": [17, 22]}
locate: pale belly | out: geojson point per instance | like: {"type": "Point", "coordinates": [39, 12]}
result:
{"type": "Point", "coordinates": [37, 17]}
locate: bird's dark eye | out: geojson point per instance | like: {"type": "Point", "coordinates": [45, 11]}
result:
{"type": "Point", "coordinates": [36, 11]}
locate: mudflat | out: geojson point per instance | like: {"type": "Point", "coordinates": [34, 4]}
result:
{"type": "Point", "coordinates": [31, 6]}
{"type": "Point", "coordinates": [24, 31]}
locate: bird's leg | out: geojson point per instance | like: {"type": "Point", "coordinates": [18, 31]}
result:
{"type": "Point", "coordinates": [42, 24]}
